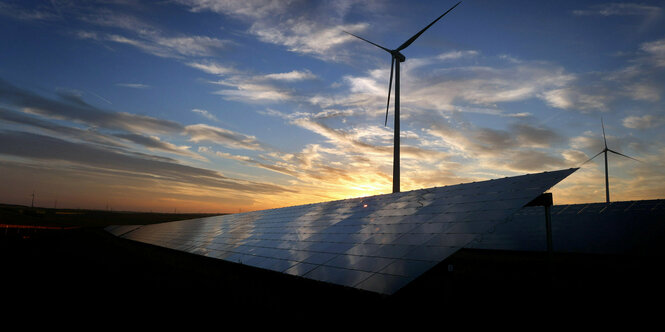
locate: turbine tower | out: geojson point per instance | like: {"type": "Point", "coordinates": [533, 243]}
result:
{"type": "Point", "coordinates": [398, 57]}
{"type": "Point", "coordinates": [605, 151]}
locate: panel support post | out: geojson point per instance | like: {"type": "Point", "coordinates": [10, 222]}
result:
{"type": "Point", "coordinates": [546, 201]}
{"type": "Point", "coordinates": [548, 227]}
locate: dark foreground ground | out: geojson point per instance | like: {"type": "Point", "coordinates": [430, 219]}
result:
{"type": "Point", "coordinates": [89, 268]}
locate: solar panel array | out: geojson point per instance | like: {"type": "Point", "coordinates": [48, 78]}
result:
{"type": "Point", "coordinates": [378, 243]}
{"type": "Point", "coordinates": [628, 227]}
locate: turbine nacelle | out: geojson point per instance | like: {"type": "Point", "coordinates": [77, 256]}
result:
{"type": "Point", "coordinates": [399, 56]}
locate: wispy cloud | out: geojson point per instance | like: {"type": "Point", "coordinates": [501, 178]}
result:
{"type": "Point", "coordinates": [308, 37]}
{"type": "Point", "coordinates": [248, 87]}
{"type": "Point", "coordinates": [478, 142]}
{"type": "Point", "coordinates": [620, 9]}
{"type": "Point", "coordinates": [168, 47]}
{"type": "Point", "coordinates": [39, 147]}
{"type": "Point", "coordinates": [572, 98]}
{"type": "Point", "coordinates": [253, 92]}
{"type": "Point", "coordinates": [292, 76]}
{"type": "Point", "coordinates": [454, 55]}
{"type": "Point", "coordinates": [656, 51]}
{"type": "Point", "coordinates": [212, 68]}
{"type": "Point", "coordinates": [146, 37]}
{"type": "Point", "coordinates": [155, 143]}
{"type": "Point", "coordinates": [89, 135]}
{"type": "Point", "coordinates": [42, 12]}
{"type": "Point", "coordinates": [205, 114]}
{"type": "Point", "coordinates": [133, 85]}
{"type": "Point", "coordinates": [435, 85]}
{"type": "Point", "coordinates": [290, 23]}
{"type": "Point", "coordinates": [73, 108]}
{"type": "Point", "coordinates": [221, 136]}
{"type": "Point", "coordinates": [132, 127]}
{"type": "Point", "coordinates": [647, 14]}
{"type": "Point", "coordinates": [643, 122]}
{"type": "Point", "coordinates": [251, 8]}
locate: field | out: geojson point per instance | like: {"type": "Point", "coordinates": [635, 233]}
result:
{"type": "Point", "coordinates": [49, 255]}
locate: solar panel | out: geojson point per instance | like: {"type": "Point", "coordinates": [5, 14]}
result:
{"type": "Point", "coordinates": [377, 243]}
{"type": "Point", "coordinates": [630, 227]}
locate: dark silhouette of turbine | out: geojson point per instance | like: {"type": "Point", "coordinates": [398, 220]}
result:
{"type": "Point", "coordinates": [396, 55]}
{"type": "Point", "coordinates": [605, 151]}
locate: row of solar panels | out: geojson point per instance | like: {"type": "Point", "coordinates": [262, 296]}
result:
{"type": "Point", "coordinates": [630, 227]}
{"type": "Point", "coordinates": [377, 243]}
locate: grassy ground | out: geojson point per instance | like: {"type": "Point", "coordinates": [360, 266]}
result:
{"type": "Point", "coordinates": [22, 215]}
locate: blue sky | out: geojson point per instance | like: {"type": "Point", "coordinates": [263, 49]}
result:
{"type": "Point", "coordinates": [202, 105]}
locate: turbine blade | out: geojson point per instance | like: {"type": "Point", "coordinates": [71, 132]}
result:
{"type": "Point", "coordinates": [412, 39]}
{"type": "Point", "coordinates": [377, 45]}
{"type": "Point", "coordinates": [593, 157]}
{"type": "Point", "coordinates": [390, 85]}
{"type": "Point", "coordinates": [602, 124]}
{"type": "Point", "coordinates": [621, 154]}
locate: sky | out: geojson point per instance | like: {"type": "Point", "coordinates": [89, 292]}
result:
{"type": "Point", "coordinates": [233, 106]}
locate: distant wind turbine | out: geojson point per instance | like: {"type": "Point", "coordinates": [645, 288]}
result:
{"type": "Point", "coordinates": [605, 151]}
{"type": "Point", "coordinates": [396, 55]}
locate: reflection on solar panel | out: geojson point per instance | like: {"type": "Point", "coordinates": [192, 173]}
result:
{"type": "Point", "coordinates": [378, 243]}
{"type": "Point", "coordinates": [630, 227]}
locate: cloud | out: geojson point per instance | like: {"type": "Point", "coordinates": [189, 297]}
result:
{"type": "Point", "coordinates": [247, 87]}
{"type": "Point", "coordinates": [648, 15]}
{"type": "Point", "coordinates": [133, 85]}
{"type": "Point", "coordinates": [155, 143]}
{"type": "Point", "coordinates": [212, 68]}
{"type": "Point", "coordinates": [146, 37]}
{"type": "Point", "coordinates": [271, 165]}
{"type": "Point", "coordinates": [640, 80]}
{"type": "Point", "coordinates": [89, 135]}
{"type": "Point", "coordinates": [572, 98]}
{"type": "Point", "coordinates": [366, 141]}
{"type": "Point", "coordinates": [454, 55]}
{"type": "Point", "coordinates": [535, 136]}
{"type": "Point", "coordinates": [253, 92]}
{"type": "Point", "coordinates": [73, 108]}
{"type": "Point", "coordinates": [250, 8]}
{"type": "Point", "coordinates": [221, 136]}
{"type": "Point", "coordinates": [533, 161]}
{"type": "Point", "coordinates": [644, 90]}
{"type": "Point", "coordinates": [41, 13]}
{"type": "Point", "coordinates": [313, 28]}
{"type": "Point", "coordinates": [292, 76]}
{"type": "Point", "coordinates": [435, 85]}
{"type": "Point", "coordinates": [205, 114]}
{"type": "Point", "coordinates": [475, 142]}
{"type": "Point", "coordinates": [45, 148]}
{"type": "Point", "coordinates": [656, 52]}
{"type": "Point", "coordinates": [643, 122]}
{"type": "Point", "coordinates": [92, 136]}
{"type": "Point", "coordinates": [522, 147]}
{"type": "Point", "coordinates": [620, 9]}
{"type": "Point", "coordinates": [167, 47]}
{"type": "Point", "coordinates": [446, 83]}
{"type": "Point", "coordinates": [306, 37]}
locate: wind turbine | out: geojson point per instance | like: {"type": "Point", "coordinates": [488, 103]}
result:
{"type": "Point", "coordinates": [605, 151]}
{"type": "Point", "coordinates": [397, 55]}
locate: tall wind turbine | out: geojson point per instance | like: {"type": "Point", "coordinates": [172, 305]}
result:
{"type": "Point", "coordinates": [605, 151]}
{"type": "Point", "coordinates": [396, 55]}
